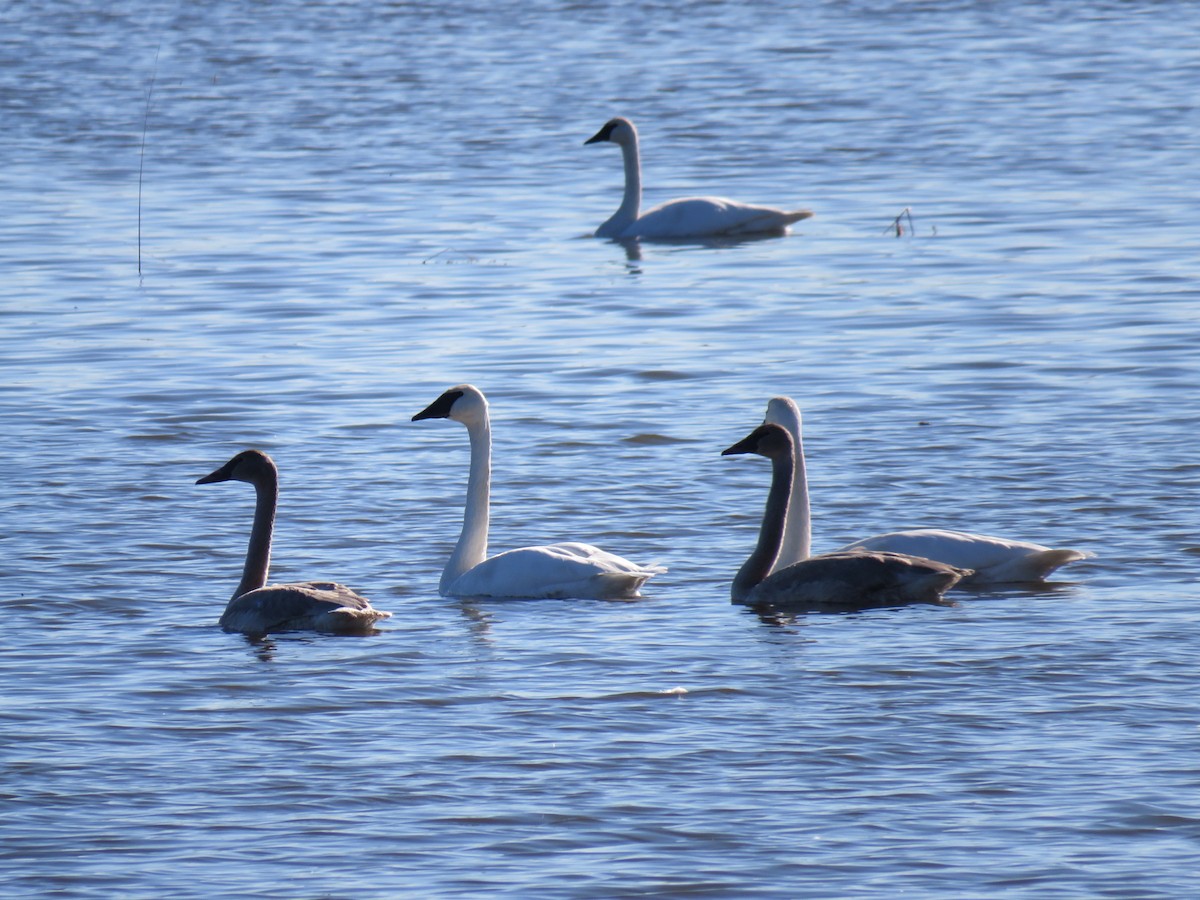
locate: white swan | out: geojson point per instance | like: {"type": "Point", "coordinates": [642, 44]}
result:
{"type": "Point", "coordinates": [692, 217]}
{"type": "Point", "coordinates": [839, 580]}
{"type": "Point", "coordinates": [556, 570]}
{"type": "Point", "coordinates": [309, 606]}
{"type": "Point", "coordinates": [994, 560]}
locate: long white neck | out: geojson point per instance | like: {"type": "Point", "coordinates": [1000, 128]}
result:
{"type": "Point", "coordinates": [797, 535]}
{"type": "Point", "coordinates": [258, 553]}
{"type": "Point", "coordinates": [631, 203]}
{"type": "Point", "coordinates": [758, 565]}
{"type": "Point", "coordinates": [471, 548]}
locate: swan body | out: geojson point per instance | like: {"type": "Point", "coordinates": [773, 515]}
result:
{"type": "Point", "coordinates": [691, 217]}
{"type": "Point", "coordinates": [992, 560]}
{"type": "Point", "coordinates": [567, 570]}
{"type": "Point", "coordinates": [844, 579]}
{"type": "Point", "coordinates": [258, 608]}
{"type": "Point", "coordinates": [995, 560]}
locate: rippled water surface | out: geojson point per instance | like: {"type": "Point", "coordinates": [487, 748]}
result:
{"type": "Point", "coordinates": [346, 208]}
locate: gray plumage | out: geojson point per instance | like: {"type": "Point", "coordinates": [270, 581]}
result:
{"type": "Point", "coordinates": [258, 608]}
{"type": "Point", "coordinates": [841, 580]}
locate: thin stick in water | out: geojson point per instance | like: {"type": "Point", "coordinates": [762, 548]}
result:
{"type": "Point", "coordinates": [897, 226]}
{"type": "Point", "coordinates": [142, 155]}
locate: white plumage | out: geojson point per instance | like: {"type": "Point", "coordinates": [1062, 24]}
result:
{"type": "Point", "coordinates": [691, 217]}
{"type": "Point", "coordinates": [994, 560]}
{"type": "Point", "coordinates": [554, 570]}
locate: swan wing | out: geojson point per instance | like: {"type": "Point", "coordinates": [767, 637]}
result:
{"type": "Point", "coordinates": [711, 217]}
{"type": "Point", "coordinates": [309, 606]}
{"type": "Point", "coordinates": [569, 570]}
{"type": "Point", "coordinates": [856, 580]}
{"type": "Point", "coordinates": [995, 560]}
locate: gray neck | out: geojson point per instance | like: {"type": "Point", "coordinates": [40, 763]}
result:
{"type": "Point", "coordinates": [770, 535]}
{"type": "Point", "coordinates": [258, 554]}
{"type": "Point", "coordinates": [631, 203]}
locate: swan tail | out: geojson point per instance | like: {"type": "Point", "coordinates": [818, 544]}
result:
{"type": "Point", "coordinates": [349, 621]}
{"type": "Point", "coordinates": [1033, 567]}
{"type": "Point", "coordinates": [770, 221]}
{"type": "Point", "coordinates": [930, 586]}
{"type": "Point", "coordinates": [625, 585]}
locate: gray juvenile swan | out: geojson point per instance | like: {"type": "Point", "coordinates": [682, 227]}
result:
{"type": "Point", "coordinates": [258, 608]}
{"type": "Point", "coordinates": [554, 570]}
{"type": "Point", "coordinates": [994, 560]}
{"type": "Point", "coordinates": [691, 217]}
{"type": "Point", "coordinates": [855, 579]}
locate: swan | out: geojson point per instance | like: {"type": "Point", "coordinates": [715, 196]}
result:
{"type": "Point", "coordinates": [555, 570]}
{"type": "Point", "coordinates": [258, 608]}
{"type": "Point", "coordinates": [844, 579]}
{"type": "Point", "coordinates": [994, 560]}
{"type": "Point", "coordinates": [691, 217]}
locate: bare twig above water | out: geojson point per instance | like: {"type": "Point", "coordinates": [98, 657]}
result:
{"type": "Point", "coordinates": [897, 226]}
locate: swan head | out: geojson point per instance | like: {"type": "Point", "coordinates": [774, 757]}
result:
{"type": "Point", "coordinates": [616, 131]}
{"type": "Point", "coordinates": [463, 403]}
{"type": "Point", "coordinates": [252, 466]}
{"type": "Point", "coordinates": [783, 411]}
{"type": "Point", "coordinates": [769, 440]}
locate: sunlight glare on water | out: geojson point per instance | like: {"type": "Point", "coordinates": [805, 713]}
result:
{"type": "Point", "coordinates": [347, 208]}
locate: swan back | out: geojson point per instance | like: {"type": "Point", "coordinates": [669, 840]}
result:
{"type": "Point", "coordinates": [714, 217]}
{"type": "Point", "coordinates": [856, 580]}
{"type": "Point", "coordinates": [554, 571]}
{"type": "Point", "coordinates": [995, 560]}
{"type": "Point", "coordinates": [310, 606]}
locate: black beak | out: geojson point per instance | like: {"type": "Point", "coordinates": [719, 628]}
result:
{"type": "Point", "coordinates": [439, 408]}
{"type": "Point", "coordinates": [222, 474]}
{"type": "Point", "coordinates": [601, 135]}
{"type": "Point", "coordinates": [748, 444]}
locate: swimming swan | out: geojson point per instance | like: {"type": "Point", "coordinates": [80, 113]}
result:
{"type": "Point", "coordinates": [310, 606]}
{"type": "Point", "coordinates": [843, 579]}
{"type": "Point", "coordinates": [557, 570]}
{"type": "Point", "coordinates": [994, 560]}
{"type": "Point", "coordinates": [692, 217]}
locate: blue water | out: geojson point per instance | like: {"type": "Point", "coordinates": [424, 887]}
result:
{"type": "Point", "coordinates": [347, 208]}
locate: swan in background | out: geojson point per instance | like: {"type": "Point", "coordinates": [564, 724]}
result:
{"type": "Point", "coordinates": [555, 570]}
{"type": "Point", "coordinates": [994, 560]}
{"type": "Point", "coordinates": [692, 217]}
{"type": "Point", "coordinates": [258, 608]}
{"type": "Point", "coordinates": [839, 580]}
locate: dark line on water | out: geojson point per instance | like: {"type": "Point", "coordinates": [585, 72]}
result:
{"type": "Point", "coordinates": [142, 154]}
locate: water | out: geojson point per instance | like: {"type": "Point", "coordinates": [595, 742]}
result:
{"type": "Point", "coordinates": [347, 208]}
